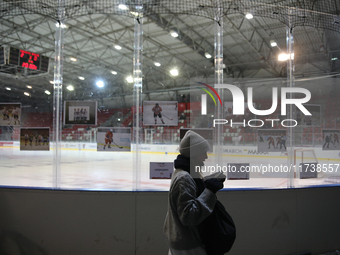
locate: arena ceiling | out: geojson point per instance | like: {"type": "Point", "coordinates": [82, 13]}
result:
{"type": "Point", "coordinates": [92, 38]}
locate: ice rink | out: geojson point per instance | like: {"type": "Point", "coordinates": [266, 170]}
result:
{"type": "Point", "coordinates": [87, 169]}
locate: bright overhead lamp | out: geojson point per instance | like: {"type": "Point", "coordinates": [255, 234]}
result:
{"type": "Point", "coordinates": [285, 57]}
{"type": "Point", "coordinates": [273, 43]}
{"type": "Point", "coordinates": [207, 55]}
{"type": "Point", "coordinates": [173, 33]}
{"type": "Point", "coordinates": [73, 59]}
{"type": "Point", "coordinates": [123, 7]}
{"type": "Point", "coordinates": [174, 72]}
{"type": "Point", "coordinates": [249, 15]}
{"type": "Point", "coordinates": [114, 72]}
{"type": "Point", "coordinates": [47, 92]}
{"type": "Point", "coordinates": [7, 88]}
{"type": "Point", "coordinates": [28, 86]}
{"type": "Point", "coordinates": [70, 88]}
{"type": "Point", "coordinates": [52, 82]}
{"type": "Point", "coordinates": [81, 78]}
{"type": "Point", "coordinates": [62, 25]}
{"type": "Point", "coordinates": [157, 64]}
{"type": "Point", "coordinates": [135, 14]}
{"type": "Point", "coordinates": [100, 84]}
{"type": "Point", "coordinates": [129, 79]}
{"type": "Point", "coordinates": [118, 47]}
{"type": "Point", "coordinates": [333, 59]}
{"type": "Point", "coordinates": [26, 94]}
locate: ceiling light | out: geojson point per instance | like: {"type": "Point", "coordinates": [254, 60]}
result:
{"type": "Point", "coordinates": [285, 57]}
{"type": "Point", "coordinates": [81, 78]}
{"type": "Point", "coordinates": [70, 88]}
{"type": "Point", "coordinates": [26, 94]}
{"type": "Point", "coordinates": [174, 72]}
{"type": "Point", "coordinates": [100, 84]}
{"type": "Point", "coordinates": [173, 33]}
{"type": "Point", "coordinates": [7, 88]}
{"type": "Point", "coordinates": [207, 55]}
{"type": "Point", "coordinates": [114, 72]}
{"type": "Point", "coordinates": [52, 82]}
{"type": "Point", "coordinates": [28, 86]}
{"type": "Point", "coordinates": [118, 47]}
{"type": "Point", "coordinates": [273, 43]}
{"type": "Point", "coordinates": [249, 15]}
{"type": "Point", "coordinates": [73, 59]}
{"type": "Point", "coordinates": [123, 7]}
{"type": "Point", "coordinates": [134, 13]}
{"type": "Point", "coordinates": [157, 64]}
{"type": "Point", "coordinates": [333, 59]}
{"type": "Point", "coordinates": [62, 25]}
{"type": "Point", "coordinates": [47, 92]}
{"type": "Point", "coordinates": [129, 79]}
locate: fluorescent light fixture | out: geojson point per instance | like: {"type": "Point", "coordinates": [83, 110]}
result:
{"type": "Point", "coordinates": [134, 13]}
{"type": "Point", "coordinates": [273, 43]}
{"type": "Point", "coordinates": [81, 78]}
{"type": "Point", "coordinates": [129, 79]}
{"type": "Point", "coordinates": [114, 72]}
{"type": "Point", "coordinates": [123, 7]}
{"type": "Point", "coordinates": [333, 59]}
{"type": "Point", "coordinates": [7, 88]}
{"type": "Point", "coordinates": [26, 94]}
{"type": "Point", "coordinates": [173, 33]}
{"type": "Point", "coordinates": [249, 15]}
{"type": "Point", "coordinates": [157, 64]}
{"type": "Point", "coordinates": [118, 47]}
{"type": "Point", "coordinates": [73, 59]}
{"type": "Point", "coordinates": [100, 84]}
{"type": "Point", "coordinates": [28, 86]}
{"type": "Point", "coordinates": [285, 57]}
{"type": "Point", "coordinates": [47, 92]}
{"type": "Point", "coordinates": [207, 55]}
{"type": "Point", "coordinates": [70, 88]}
{"type": "Point", "coordinates": [62, 25]}
{"type": "Point", "coordinates": [52, 82]}
{"type": "Point", "coordinates": [174, 72]}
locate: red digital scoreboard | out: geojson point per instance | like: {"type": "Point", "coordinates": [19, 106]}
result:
{"type": "Point", "coordinates": [29, 60]}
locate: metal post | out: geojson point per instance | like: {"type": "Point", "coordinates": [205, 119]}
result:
{"type": "Point", "coordinates": [137, 98]}
{"type": "Point", "coordinates": [218, 141]}
{"type": "Point", "coordinates": [57, 96]}
{"type": "Point", "coordinates": [290, 83]}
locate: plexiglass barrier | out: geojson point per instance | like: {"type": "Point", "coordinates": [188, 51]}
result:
{"type": "Point", "coordinates": [101, 128]}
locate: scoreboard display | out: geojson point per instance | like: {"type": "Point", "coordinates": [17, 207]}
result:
{"type": "Point", "coordinates": [27, 59]}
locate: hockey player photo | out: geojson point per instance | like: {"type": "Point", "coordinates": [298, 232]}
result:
{"type": "Point", "coordinates": [271, 140]}
{"type": "Point", "coordinates": [330, 139]}
{"type": "Point", "coordinates": [10, 114]}
{"type": "Point", "coordinates": [114, 139]}
{"type": "Point", "coordinates": [160, 113]}
{"type": "Point", "coordinates": [80, 112]}
{"type": "Point", "coordinates": [33, 139]}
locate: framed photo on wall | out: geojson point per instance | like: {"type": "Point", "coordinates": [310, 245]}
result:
{"type": "Point", "coordinates": [160, 113]}
{"type": "Point", "coordinates": [80, 112]}
{"type": "Point", "coordinates": [10, 114]}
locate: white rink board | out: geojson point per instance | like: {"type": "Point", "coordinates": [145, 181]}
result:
{"type": "Point", "coordinates": [82, 167]}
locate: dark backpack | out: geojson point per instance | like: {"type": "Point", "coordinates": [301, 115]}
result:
{"type": "Point", "coordinates": [217, 231]}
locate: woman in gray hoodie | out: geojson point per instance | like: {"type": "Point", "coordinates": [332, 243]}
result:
{"type": "Point", "coordinates": [187, 207]}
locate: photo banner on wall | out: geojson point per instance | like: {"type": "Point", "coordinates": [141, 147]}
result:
{"type": "Point", "coordinates": [160, 113]}
{"type": "Point", "coordinates": [330, 139]}
{"type": "Point", "coordinates": [80, 112]}
{"type": "Point", "coordinates": [113, 139]}
{"type": "Point", "coordinates": [271, 140]}
{"type": "Point", "coordinates": [35, 139]}
{"type": "Point", "coordinates": [10, 114]}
